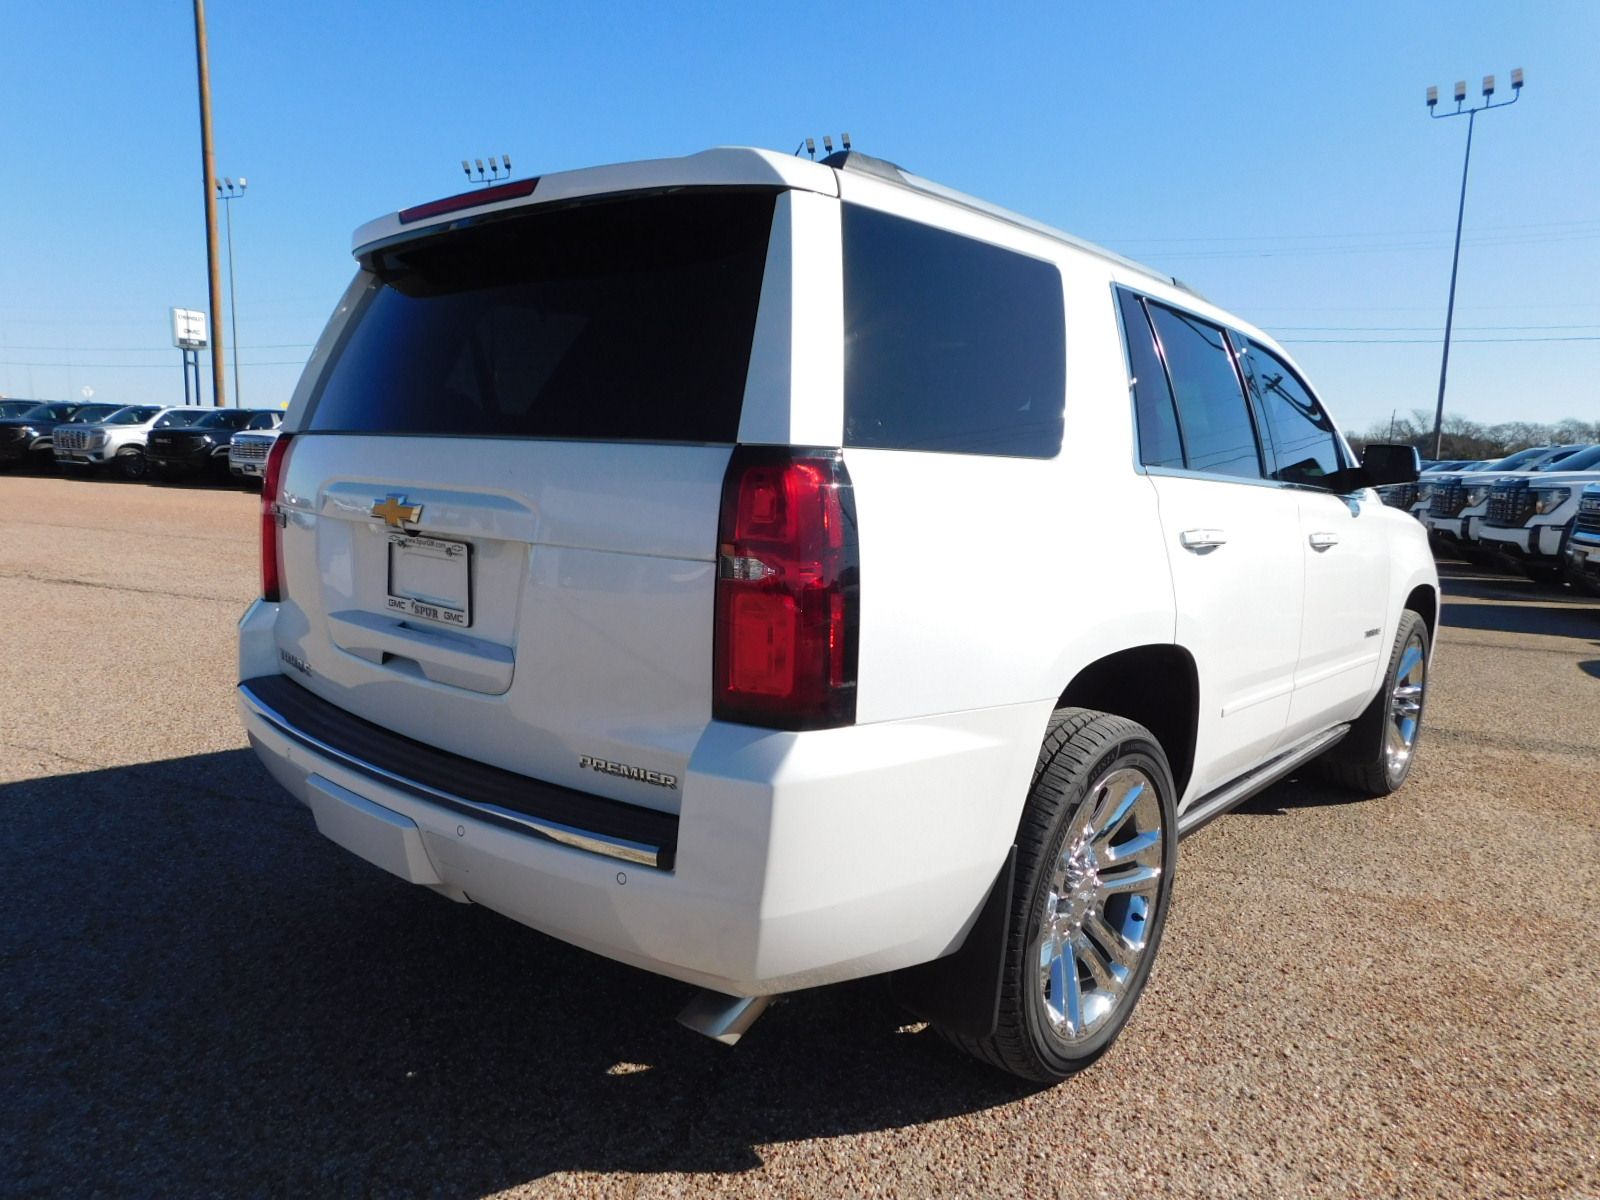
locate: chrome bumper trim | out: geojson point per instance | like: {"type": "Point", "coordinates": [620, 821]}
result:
{"type": "Point", "coordinates": [566, 835]}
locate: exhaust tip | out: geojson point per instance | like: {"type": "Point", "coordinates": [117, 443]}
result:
{"type": "Point", "coordinates": [722, 1018]}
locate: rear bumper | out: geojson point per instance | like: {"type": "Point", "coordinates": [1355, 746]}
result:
{"type": "Point", "coordinates": [795, 859]}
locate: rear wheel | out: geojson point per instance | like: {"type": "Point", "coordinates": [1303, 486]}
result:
{"type": "Point", "coordinates": [1375, 757]}
{"type": "Point", "coordinates": [1095, 856]}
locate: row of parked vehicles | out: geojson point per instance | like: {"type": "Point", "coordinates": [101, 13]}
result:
{"type": "Point", "coordinates": [1536, 511]}
{"type": "Point", "coordinates": [138, 440]}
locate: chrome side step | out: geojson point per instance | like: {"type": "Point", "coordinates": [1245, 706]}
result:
{"type": "Point", "coordinates": [723, 1018]}
{"type": "Point", "coordinates": [1263, 777]}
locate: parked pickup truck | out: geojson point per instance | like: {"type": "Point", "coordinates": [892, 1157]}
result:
{"type": "Point", "coordinates": [202, 446]}
{"type": "Point", "coordinates": [249, 448]}
{"type": "Point", "coordinates": [1583, 546]}
{"type": "Point", "coordinates": [1458, 500]}
{"type": "Point", "coordinates": [714, 563]}
{"type": "Point", "coordinates": [1529, 517]}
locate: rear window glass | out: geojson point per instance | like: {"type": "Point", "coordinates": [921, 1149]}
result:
{"type": "Point", "coordinates": [951, 344]}
{"type": "Point", "coordinates": [613, 320]}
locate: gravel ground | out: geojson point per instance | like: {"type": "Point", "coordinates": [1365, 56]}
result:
{"type": "Point", "coordinates": [201, 996]}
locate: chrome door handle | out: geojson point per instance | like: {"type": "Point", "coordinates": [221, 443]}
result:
{"type": "Point", "coordinates": [1321, 541]}
{"type": "Point", "coordinates": [1202, 539]}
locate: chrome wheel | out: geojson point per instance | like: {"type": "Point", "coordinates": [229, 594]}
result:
{"type": "Point", "coordinates": [1099, 913]}
{"type": "Point", "coordinates": [1405, 707]}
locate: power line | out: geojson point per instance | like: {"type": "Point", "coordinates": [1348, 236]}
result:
{"type": "Point", "coordinates": [1433, 341]}
{"type": "Point", "coordinates": [83, 366]}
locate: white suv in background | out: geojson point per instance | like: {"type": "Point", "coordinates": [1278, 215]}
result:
{"type": "Point", "coordinates": [714, 563]}
{"type": "Point", "coordinates": [119, 440]}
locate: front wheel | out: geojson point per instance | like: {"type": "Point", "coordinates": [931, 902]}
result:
{"type": "Point", "coordinates": [1096, 852]}
{"type": "Point", "coordinates": [1375, 757]}
{"type": "Point", "coordinates": [131, 463]}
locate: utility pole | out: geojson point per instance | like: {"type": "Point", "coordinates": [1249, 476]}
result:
{"type": "Point", "coordinates": [1461, 209]}
{"type": "Point", "coordinates": [219, 392]}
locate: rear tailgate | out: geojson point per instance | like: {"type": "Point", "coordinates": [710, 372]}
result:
{"type": "Point", "coordinates": [501, 497]}
{"type": "Point", "coordinates": [584, 594]}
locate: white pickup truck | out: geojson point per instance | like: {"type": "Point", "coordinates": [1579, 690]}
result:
{"type": "Point", "coordinates": [769, 572]}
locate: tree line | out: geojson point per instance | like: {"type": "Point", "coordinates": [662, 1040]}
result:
{"type": "Point", "coordinates": [1463, 438]}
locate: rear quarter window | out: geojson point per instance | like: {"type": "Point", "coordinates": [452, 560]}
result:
{"type": "Point", "coordinates": [951, 344]}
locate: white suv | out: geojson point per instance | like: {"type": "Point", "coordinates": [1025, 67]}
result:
{"type": "Point", "coordinates": [769, 573]}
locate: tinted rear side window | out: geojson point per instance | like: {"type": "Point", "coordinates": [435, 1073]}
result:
{"type": "Point", "coordinates": [1217, 430]}
{"type": "Point", "coordinates": [614, 320]}
{"type": "Point", "coordinates": [951, 344]}
{"type": "Point", "coordinates": [1160, 444]}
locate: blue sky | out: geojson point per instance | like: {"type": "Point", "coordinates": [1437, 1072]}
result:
{"type": "Point", "coordinates": [1277, 157]}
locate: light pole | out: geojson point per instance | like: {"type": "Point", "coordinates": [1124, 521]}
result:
{"type": "Point", "coordinates": [1461, 209]}
{"type": "Point", "coordinates": [493, 174]}
{"type": "Point", "coordinates": [228, 193]}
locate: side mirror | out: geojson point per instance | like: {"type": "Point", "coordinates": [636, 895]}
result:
{"type": "Point", "coordinates": [1383, 463]}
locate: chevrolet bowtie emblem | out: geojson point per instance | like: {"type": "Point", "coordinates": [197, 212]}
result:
{"type": "Point", "coordinates": [395, 512]}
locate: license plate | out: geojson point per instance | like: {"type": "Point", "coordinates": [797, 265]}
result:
{"type": "Point", "coordinates": [430, 578]}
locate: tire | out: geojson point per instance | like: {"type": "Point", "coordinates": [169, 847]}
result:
{"type": "Point", "coordinates": [1102, 785]}
{"type": "Point", "coordinates": [1375, 757]}
{"type": "Point", "coordinates": [1545, 576]}
{"type": "Point", "coordinates": [132, 464]}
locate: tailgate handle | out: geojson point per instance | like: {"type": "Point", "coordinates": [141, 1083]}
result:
{"type": "Point", "coordinates": [444, 657]}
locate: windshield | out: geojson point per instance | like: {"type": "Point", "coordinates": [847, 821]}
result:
{"type": "Point", "coordinates": [1581, 461]}
{"type": "Point", "coordinates": [613, 320]}
{"type": "Point", "coordinates": [14, 408]}
{"type": "Point", "coordinates": [227, 418]}
{"type": "Point", "coordinates": [265, 420]}
{"type": "Point", "coordinates": [178, 417]}
{"type": "Point", "coordinates": [1522, 458]}
{"type": "Point", "coordinates": [93, 412]}
{"type": "Point", "coordinates": [136, 415]}
{"type": "Point", "coordinates": [51, 412]}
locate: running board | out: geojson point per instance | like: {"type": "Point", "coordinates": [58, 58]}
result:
{"type": "Point", "coordinates": [1263, 777]}
{"type": "Point", "coordinates": [723, 1018]}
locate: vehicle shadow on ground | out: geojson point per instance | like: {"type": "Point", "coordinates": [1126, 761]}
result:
{"type": "Point", "coordinates": [202, 991]}
{"type": "Point", "coordinates": [1499, 604]}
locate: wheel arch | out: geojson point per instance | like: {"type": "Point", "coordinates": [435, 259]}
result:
{"type": "Point", "coordinates": [1424, 601]}
{"type": "Point", "coordinates": [1156, 685]}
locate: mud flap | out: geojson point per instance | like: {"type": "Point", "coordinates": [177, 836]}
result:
{"type": "Point", "coordinates": [961, 991]}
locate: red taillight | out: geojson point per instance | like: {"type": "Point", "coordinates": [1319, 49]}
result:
{"type": "Point", "coordinates": [788, 591]}
{"type": "Point", "coordinates": [271, 476]}
{"type": "Point", "coordinates": [490, 195]}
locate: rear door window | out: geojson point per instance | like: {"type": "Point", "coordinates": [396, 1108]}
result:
{"type": "Point", "coordinates": [609, 320]}
{"type": "Point", "coordinates": [1160, 442]}
{"type": "Point", "coordinates": [951, 344]}
{"type": "Point", "coordinates": [1218, 433]}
